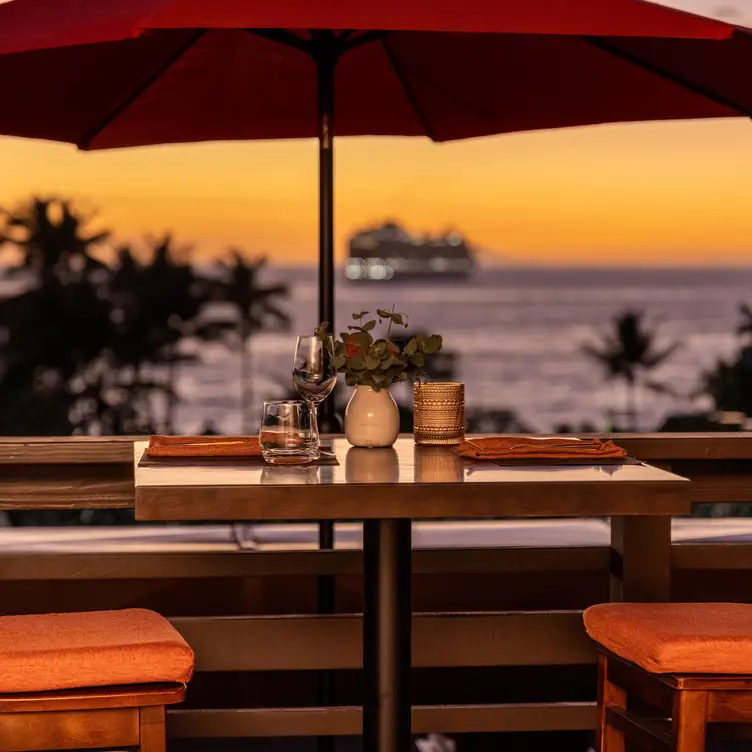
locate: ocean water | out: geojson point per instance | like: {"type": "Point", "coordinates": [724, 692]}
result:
{"type": "Point", "coordinates": [517, 333]}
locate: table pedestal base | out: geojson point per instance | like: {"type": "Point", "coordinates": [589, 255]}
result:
{"type": "Point", "coordinates": [387, 616]}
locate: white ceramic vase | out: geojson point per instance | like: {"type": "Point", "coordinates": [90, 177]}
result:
{"type": "Point", "coordinates": [371, 418]}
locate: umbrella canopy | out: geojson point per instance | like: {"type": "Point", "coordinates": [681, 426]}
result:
{"type": "Point", "coordinates": [140, 72]}
{"type": "Point", "coordinates": [196, 85]}
{"type": "Point", "coordinates": [137, 72]}
{"type": "Point", "coordinates": [34, 24]}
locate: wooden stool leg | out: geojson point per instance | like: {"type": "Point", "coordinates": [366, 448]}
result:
{"type": "Point", "coordinates": [608, 739]}
{"type": "Point", "coordinates": [151, 722]}
{"type": "Point", "coordinates": [689, 719]}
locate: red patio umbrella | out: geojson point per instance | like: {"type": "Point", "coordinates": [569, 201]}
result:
{"type": "Point", "coordinates": [136, 72]}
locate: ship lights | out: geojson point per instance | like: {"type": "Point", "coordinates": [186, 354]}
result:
{"type": "Point", "coordinates": [368, 268]}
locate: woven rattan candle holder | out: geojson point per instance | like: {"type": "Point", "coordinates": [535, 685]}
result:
{"type": "Point", "coordinates": [439, 417]}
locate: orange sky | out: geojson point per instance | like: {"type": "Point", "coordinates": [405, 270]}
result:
{"type": "Point", "coordinates": [669, 193]}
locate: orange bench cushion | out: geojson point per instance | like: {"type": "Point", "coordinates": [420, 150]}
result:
{"type": "Point", "coordinates": [676, 638]}
{"type": "Point", "coordinates": [93, 649]}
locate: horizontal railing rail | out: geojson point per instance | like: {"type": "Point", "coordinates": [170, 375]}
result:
{"type": "Point", "coordinates": [97, 473]}
{"type": "Point", "coordinates": [143, 565]}
{"type": "Point", "coordinates": [347, 721]}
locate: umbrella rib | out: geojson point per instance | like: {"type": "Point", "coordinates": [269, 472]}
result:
{"type": "Point", "coordinates": [686, 83]}
{"type": "Point", "coordinates": [282, 36]}
{"type": "Point", "coordinates": [143, 86]}
{"type": "Point", "coordinates": [365, 38]}
{"type": "Point", "coordinates": [409, 93]}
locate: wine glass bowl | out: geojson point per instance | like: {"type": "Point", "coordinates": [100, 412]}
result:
{"type": "Point", "coordinates": [314, 372]}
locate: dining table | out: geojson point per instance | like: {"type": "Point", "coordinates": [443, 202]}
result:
{"type": "Point", "coordinates": [388, 488]}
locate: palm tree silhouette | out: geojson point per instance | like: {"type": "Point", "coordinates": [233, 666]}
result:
{"type": "Point", "coordinates": [744, 360]}
{"type": "Point", "coordinates": [52, 238]}
{"type": "Point", "coordinates": [56, 328]}
{"type": "Point", "coordinates": [160, 305]}
{"type": "Point", "coordinates": [729, 382]}
{"type": "Point", "coordinates": [722, 384]}
{"type": "Point", "coordinates": [257, 308]}
{"type": "Point", "coordinates": [745, 325]}
{"type": "Point", "coordinates": [109, 338]}
{"type": "Point", "coordinates": [630, 353]}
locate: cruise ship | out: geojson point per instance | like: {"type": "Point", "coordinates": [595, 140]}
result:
{"type": "Point", "coordinates": [389, 252]}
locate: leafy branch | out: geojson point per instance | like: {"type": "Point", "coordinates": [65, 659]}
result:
{"type": "Point", "coordinates": [378, 363]}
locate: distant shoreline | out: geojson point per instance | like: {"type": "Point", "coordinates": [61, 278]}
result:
{"type": "Point", "coordinates": [514, 266]}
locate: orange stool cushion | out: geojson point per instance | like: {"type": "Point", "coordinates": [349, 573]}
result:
{"type": "Point", "coordinates": [676, 638]}
{"type": "Point", "coordinates": [94, 649]}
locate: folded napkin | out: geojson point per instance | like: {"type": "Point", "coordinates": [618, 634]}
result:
{"type": "Point", "coordinates": [528, 447]}
{"type": "Point", "coordinates": [204, 446]}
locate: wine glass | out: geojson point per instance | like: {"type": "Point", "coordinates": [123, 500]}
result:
{"type": "Point", "coordinates": [314, 373]}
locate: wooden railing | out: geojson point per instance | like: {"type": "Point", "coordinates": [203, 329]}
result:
{"type": "Point", "coordinates": [498, 643]}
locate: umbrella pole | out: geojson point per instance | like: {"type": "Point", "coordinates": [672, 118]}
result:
{"type": "Point", "coordinates": [326, 60]}
{"type": "Point", "coordinates": [325, 63]}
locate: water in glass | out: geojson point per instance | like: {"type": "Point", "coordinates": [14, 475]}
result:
{"type": "Point", "coordinates": [287, 435]}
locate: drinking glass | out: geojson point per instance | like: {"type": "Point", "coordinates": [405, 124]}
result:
{"type": "Point", "coordinates": [314, 374]}
{"type": "Point", "coordinates": [286, 434]}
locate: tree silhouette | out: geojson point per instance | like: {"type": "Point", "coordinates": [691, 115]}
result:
{"type": "Point", "coordinates": [722, 385]}
{"type": "Point", "coordinates": [745, 325]}
{"type": "Point", "coordinates": [52, 239]}
{"type": "Point", "coordinates": [744, 360]}
{"type": "Point", "coordinates": [91, 347]}
{"type": "Point", "coordinates": [95, 345]}
{"type": "Point", "coordinates": [629, 353]}
{"type": "Point", "coordinates": [729, 383]}
{"type": "Point", "coordinates": [159, 308]}
{"type": "Point", "coordinates": [257, 308]}
{"type": "Point", "coordinates": [58, 325]}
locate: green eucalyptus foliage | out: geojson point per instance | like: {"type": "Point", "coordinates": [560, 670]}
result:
{"type": "Point", "coordinates": [378, 363]}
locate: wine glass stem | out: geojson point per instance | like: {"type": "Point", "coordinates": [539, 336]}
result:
{"type": "Point", "coordinates": [314, 410]}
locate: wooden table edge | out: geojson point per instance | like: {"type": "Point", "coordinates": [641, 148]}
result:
{"type": "Point", "coordinates": [157, 503]}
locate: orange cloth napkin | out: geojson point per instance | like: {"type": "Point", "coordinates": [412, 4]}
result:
{"type": "Point", "coordinates": [204, 446]}
{"type": "Point", "coordinates": [528, 447]}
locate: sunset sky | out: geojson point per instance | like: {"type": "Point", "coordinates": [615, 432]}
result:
{"type": "Point", "coordinates": [670, 193]}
